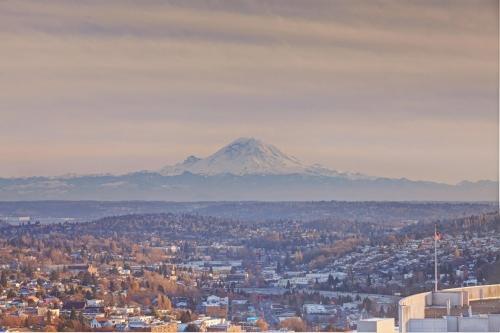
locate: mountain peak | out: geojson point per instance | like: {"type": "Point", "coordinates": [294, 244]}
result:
{"type": "Point", "coordinates": [247, 156]}
{"type": "Point", "coordinates": [251, 147]}
{"type": "Point", "coordinates": [242, 144]}
{"type": "Point", "coordinates": [246, 141]}
{"type": "Point", "coordinates": [242, 156]}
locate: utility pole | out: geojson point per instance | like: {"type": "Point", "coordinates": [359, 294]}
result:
{"type": "Point", "coordinates": [435, 259]}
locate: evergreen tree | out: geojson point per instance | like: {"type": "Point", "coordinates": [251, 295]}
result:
{"type": "Point", "coordinates": [3, 279]}
{"type": "Point", "coordinates": [72, 315]}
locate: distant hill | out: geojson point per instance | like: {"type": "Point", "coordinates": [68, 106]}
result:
{"type": "Point", "coordinates": [465, 225]}
{"type": "Point", "coordinates": [251, 211]}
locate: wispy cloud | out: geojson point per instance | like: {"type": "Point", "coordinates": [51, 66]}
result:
{"type": "Point", "coordinates": [169, 78]}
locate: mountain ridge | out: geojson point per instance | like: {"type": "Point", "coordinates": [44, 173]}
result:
{"type": "Point", "coordinates": [247, 169]}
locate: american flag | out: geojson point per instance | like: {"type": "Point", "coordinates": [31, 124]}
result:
{"type": "Point", "coordinates": [438, 235]}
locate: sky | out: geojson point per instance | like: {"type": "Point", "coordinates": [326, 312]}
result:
{"type": "Point", "coordinates": [386, 88]}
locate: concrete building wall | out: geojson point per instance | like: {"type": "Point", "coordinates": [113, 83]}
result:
{"type": "Point", "coordinates": [428, 325]}
{"type": "Point", "coordinates": [412, 307]}
{"type": "Point", "coordinates": [456, 298]}
{"type": "Point", "coordinates": [472, 324]}
{"type": "Point", "coordinates": [452, 323]}
{"type": "Point", "coordinates": [494, 323]}
{"type": "Point", "coordinates": [386, 326]}
{"type": "Point", "coordinates": [482, 292]}
{"type": "Point", "coordinates": [376, 325]}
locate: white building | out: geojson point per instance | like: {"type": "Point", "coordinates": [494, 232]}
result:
{"type": "Point", "coordinates": [448, 308]}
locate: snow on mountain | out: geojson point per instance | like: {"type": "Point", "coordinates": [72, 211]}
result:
{"type": "Point", "coordinates": [246, 169]}
{"type": "Point", "coordinates": [249, 156]}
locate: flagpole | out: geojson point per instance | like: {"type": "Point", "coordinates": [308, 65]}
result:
{"type": "Point", "coordinates": [435, 260]}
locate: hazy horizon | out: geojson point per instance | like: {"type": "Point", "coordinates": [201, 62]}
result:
{"type": "Point", "coordinates": [69, 174]}
{"type": "Point", "coordinates": [384, 88]}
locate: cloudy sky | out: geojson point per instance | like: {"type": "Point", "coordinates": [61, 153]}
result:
{"type": "Point", "coordinates": [386, 88]}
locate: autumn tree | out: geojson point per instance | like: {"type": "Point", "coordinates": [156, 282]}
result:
{"type": "Point", "coordinates": [262, 325]}
{"type": "Point", "coordinates": [164, 302]}
{"type": "Point", "coordinates": [185, 317]}
{"type": "Point", "coordinates": [54, 276]}
{"type": "Point", "coordinates": [294, 324]}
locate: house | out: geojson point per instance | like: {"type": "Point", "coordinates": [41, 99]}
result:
{"type": "Point", "coordinates": [203, 322]}
{"type": "Point", "coordinates": [42, 311]}
{"type": "Point", "coordinates": [94, 302]}
{"type": "Point", "coordinates": [117, 320]}
{"type": "Point", "coordinates": [77, 268]}
{"type": "Point", "coordinates": [294, 282]}
{"type": "Point", "coordinates": [180, 302]}
{"type": "Point", "coordinates": [224, 327]}
{"type": "Point", "coordinates": [319, 313]}
{"type": "Point", "coordinates": [161, 326]}
{"type": "Point", "coordinates": [216, 306]}
{"type": "Point", "coordinates": [100, 323]}
{"type": "Point", "coordinates": [94, 311]}
{"type": "Point", "coordinates": [77, 306]}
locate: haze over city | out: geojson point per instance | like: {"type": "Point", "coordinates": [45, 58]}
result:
{"type": "Point", "coordinates": [379, 87]}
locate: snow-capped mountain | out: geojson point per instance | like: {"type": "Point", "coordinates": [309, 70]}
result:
{"type": "Point", "coordinates": [249, 156]}
{"type": "Point", "coordinates": [246, 169]}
